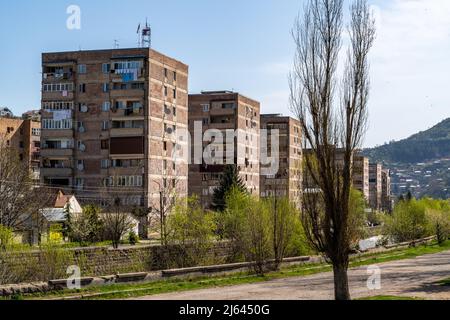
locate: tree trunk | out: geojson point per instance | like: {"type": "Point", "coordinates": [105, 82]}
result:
{"type": "Point", "coordinates": [341, 289]}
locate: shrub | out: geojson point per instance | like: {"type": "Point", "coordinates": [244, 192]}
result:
{"type": "Point", "coordinates": [86, 227]}
{"type": "Point", "coordinates": [133, 239]}
{"type": "Point", "coordinates": [192, 230]}
{"type": "Point", "coordinates": [6, 238]}
{"type": "Point", "coordinates": [246, 224]}
{"type": "Point", "coordinates": [408, 221]}
{"type": "Point", "coordinates": [285, 227]}
{"type": "Point", "coordinates": [439, 224]}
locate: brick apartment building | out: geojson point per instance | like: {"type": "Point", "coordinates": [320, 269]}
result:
{"type": "Point", "coordinates": [109, 124]}
{"type": "Point", "coordinates": [24, 137]}
{"type": "Point", "coordinates": [386, 194]}
{"type": "Point", "coordinates": [361, 175]}
{"type": "Point", "coordinates": [375, 182]}
{"type": "Point", "coordinates": [222, 111]}
{"type": "Point", "coordinates": [287, 182]}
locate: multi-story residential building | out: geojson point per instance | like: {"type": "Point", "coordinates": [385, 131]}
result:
{"type": "Point", "coordinates": [109, 124]}
{"type": "Point", "coordinates": [386, 197]}
{"type": "Point", "coordinates": [375, 185]}
{"type": "Point", "coordinates": [361, 175]}
{"type": "Point", "coordinates": [287, 180]}
{"type": "Point", "coordinates": [24, 137]}
{"type": "Point", "coordinates": [226, 113]}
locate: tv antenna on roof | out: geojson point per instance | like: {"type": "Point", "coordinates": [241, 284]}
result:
{"type": "Point", "coordinates": [116, 44]}
{"type": "Point", "coordinates": [145, 36]}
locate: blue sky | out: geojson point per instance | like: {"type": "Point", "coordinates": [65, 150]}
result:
{"type": "Point", "coordinates": [241, 45]}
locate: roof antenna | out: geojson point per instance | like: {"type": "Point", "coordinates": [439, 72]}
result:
{"type": "Point", "coordinates": [146, 35]}
{"type": "Point", "coordinates": [116, 44]}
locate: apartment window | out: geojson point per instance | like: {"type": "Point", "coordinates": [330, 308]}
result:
{"type": "Point", "coordinates": [165, 91]}
{"type": "Point", "coordinates": [51, 124]}
{"type": "Point", "coordinates": [205, 107]}
{"type": "Point", "coordinates": [82, 88]}
{"type": "Point", "coordinates": [105, 144]}
{"type": "Point", "coordinates": [105, 163]}
{"type": "Point", "coordinates": [21, 144]}
{"type": "Point", "coordinates": [165, 72]}
{"type": "Point", "coordinates": [105, 87]}
{"type": "Point", "coordinates": [174, 93]}
{"type": "Point", "coordinates": [174, 111]}
{"type": "Point", "coordinates": [79, 184]}
{"type": "Point", "coordinates": [36, 131]}
{"type": "Point", "coordinates": [57, 87]}
{"type": "Point", "coordinates": [106, 106]}
{"type": "Point", "coordinates": [82, 68]}
{"type": "Point", "coordinates": [174, 76]}
{"type": "Point", "coordinates": [165, 146]}
{"type": "Point", "coordinates": [106, 68]}
{"type": "Point", "coordinates": [205, 121]}
{"type": "Point", "coordinates": [105, 125]}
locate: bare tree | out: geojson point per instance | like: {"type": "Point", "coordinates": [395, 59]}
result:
{"type": "Point", "coordinates": [117, 221]}
{"type": "Point", "coordinates": [20, 199]}
{"type": "Point", "coordinates": [167, 186]}
{"type": "Point", "coordinates": [332, 120]}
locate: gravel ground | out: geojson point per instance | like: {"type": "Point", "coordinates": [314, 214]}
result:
{"type": "Point", "coordinates": [411, 278]}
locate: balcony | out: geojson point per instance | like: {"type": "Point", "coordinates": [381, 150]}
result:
{"type": "Point", "coordinates": [55, 152]}
{"type": "Point", "coordinates": [54, 133]}
{"type": "Point", "coordinates": [126, 132]}
{"type": "Point", "coordinates": [222, 112]}
{"type": "Point", "coordinates": [56, 172]}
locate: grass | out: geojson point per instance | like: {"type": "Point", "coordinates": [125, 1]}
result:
{"type": "Point", "coordinates": [116, 291]}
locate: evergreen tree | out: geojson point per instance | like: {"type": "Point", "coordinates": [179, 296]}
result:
{"type": "Point", "coordinates": [409, 196]}
{"type": "Point", "coordinates": [229, 180]}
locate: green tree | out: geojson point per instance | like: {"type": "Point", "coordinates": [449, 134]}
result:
{"type": "Point", "coordinates": [86, 227]}
{"type": "Point", "coordinates": [408, 221]}
{"type": "Point", "coordinates": [229, 180]}
{"type": "Point", "coordinates": [193, 230]}
{"type": "Point", "coordinates": [284, 220]}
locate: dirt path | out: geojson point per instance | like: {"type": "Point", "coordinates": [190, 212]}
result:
{"type": "Point", "coordinates": [413, 278]}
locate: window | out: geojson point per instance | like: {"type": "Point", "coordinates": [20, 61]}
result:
{"type": "Point", "coordinates": [105, 87]}
{"type": "Point", "coordinates": [21, 144]}
{"type": "Point", "coordinates": [106, 68]}
{"type": "Point", "coordinates": [105, 144]}
{"type": "Point", "coordinates": [106, 106]}
{"type": "Point", "coordinates": [57, 87]}
{"type": "Point", "coordinates": [79, 184]}
{"type": "Point", "coordinates": [165, 72]}
{"type": "Point", "coordinates": [174, 76]}
{"type": "Point", "coordinates": [82, 88]}
{"type": "Point", "coordinates": [82, 68]}
{"type": "Point", "coordinates": [126, 181]}
{"type": "Point", "coordinates": [36, 131]}
{"type": "Point", "coordinates": [174, 93]}
{"type": "Point", "coordinates": [105, 125]}
{"type": "Point", "coordinates": [165, 91]}
{"type": "Point", "coordinates": [105, 163]}
{"type": "Point", "coordinates": [165, 146]}
{"type": "Point", "coordinates": [51, 124]}
{"type": "Point", "coordinates": [205, 107]}
{"type": "Point", "coordinates": [57, 105]}
{"type": "Point", "coordinates": [174, 111]}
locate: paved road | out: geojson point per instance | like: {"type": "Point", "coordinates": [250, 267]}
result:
{"type": "Point", "coordinates": [413, 278]}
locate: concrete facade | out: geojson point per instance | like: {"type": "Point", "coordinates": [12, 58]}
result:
{"type": "Point", "coordinates": [287, 182]}
{"type": "Point", "coordinates": [109, 123]}
{"type": "Point", "coordinates": [361, 175]}
{"type": "Point", "coordinates": [375, 183]}
{"type": "Point", "coordinates": [386, 197]}
{"type": "Point", "coordinates": [224, 111]}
